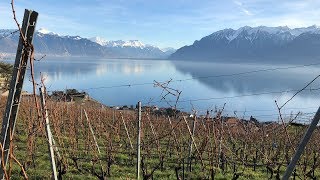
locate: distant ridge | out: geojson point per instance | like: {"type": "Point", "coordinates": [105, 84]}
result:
{"type": "Point", "coordinates": [255, 44]}
{"type": "Point", "coordinates": [53, 44]}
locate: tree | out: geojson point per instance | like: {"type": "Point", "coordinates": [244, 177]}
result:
{"type": "Point", "coordinates": [5, 74]}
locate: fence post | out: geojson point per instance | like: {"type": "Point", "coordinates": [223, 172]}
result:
{"type": "Point", "coordinates": [128, 135]}
{"type": "Point", "coordinates": [49, 134]}
{"type": "Point", "coordinates": [302, 145]}
{"type": "Point", "coordinates": [92, 132]}
{"type": "Point", "coordinates": [138, 140]}
{"type": "Point", "coordinates": [95, 141]}
{"type": "Point", "coordinates": [55, 146]}
{"type": "Point", "coordinates": [192, 138]}
{"type": "Point", "coordinates": [191, 142]}
{"type": "Point", "coordinates": [16, 84]}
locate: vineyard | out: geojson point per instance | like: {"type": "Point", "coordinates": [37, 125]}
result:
{"type": "Point", "coordinates": [96, 142]}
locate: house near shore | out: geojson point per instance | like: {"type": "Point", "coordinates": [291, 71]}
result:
{"type": "Point", "coordinates": [69, 95]}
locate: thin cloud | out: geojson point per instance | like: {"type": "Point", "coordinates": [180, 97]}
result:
{"type": "Point", "coordinates": [238, 3]}
{"type": "Point", "coordinates": [242, 8]}
{"type": "Point", "coordinates": [246, 12]}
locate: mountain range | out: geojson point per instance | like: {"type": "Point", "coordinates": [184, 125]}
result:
{"type": "Point", "coordinates": [250, 44]}
{"type": "Point", "coordinates": [261, 43]}
{"type": "Point", "coordinates": [52, 44]}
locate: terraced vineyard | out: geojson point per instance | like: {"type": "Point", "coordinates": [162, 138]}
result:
{"type": "Point", "coordinates": [179, 147]}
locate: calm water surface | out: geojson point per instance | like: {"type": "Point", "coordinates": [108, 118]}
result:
{"type": "Point", "coordinates": [203, 85]}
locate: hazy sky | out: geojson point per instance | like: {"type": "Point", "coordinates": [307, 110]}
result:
{"type": "Point", "coordinates": [165, 23]}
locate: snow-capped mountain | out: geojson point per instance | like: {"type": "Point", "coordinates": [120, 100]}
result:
{"type": "Point", "coordinates": [46, 31]}
{"type": "Point", "coordinates": [253, 32]}
{"type": "Point", "coordinates": [168, 50]}
{"type": "Point", "coordinates": [99, 40]}
{"type": "Point", "coordinates": [255, 43]}
{"type": "Point", "coordinates": [6, 32]}
{"type": "Point", "coordinates": [133, 43]}
{"type": "Point", "coordinates": [131, 48]}
{"type": "Point", "coordinates": [50, 43]}
{"type": "Point", "coordinates": [8, 41]}
{"type": "Point", "coordinates": [120, 43]}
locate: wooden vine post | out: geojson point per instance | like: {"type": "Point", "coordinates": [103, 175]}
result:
{"type": "Point", "coordinates": [13, 102]}
{"type": "Point", "coordinates": [45, 117]}
{"type": "Point", "coordinates": [138, 140]}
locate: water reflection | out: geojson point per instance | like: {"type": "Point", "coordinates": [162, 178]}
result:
{"type": "Point", "coordinates": [250, 78]}
{"type": "Point", "coordinates": [129, 69]}
{"type": "Point", "coordinates": [101, 70]}
{"type": "Point", "coordinates": [101, 78]}
{"type": "Point", "coordinates": [247, 94]}
{"type": "Point", "coordinates": [60, 68]}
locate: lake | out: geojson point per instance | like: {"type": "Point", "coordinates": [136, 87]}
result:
{"type": "Point", "coordinates": [245, 89]}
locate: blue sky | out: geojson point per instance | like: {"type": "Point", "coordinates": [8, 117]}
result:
{"type": "Point", "coordinates": [165, 23]}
